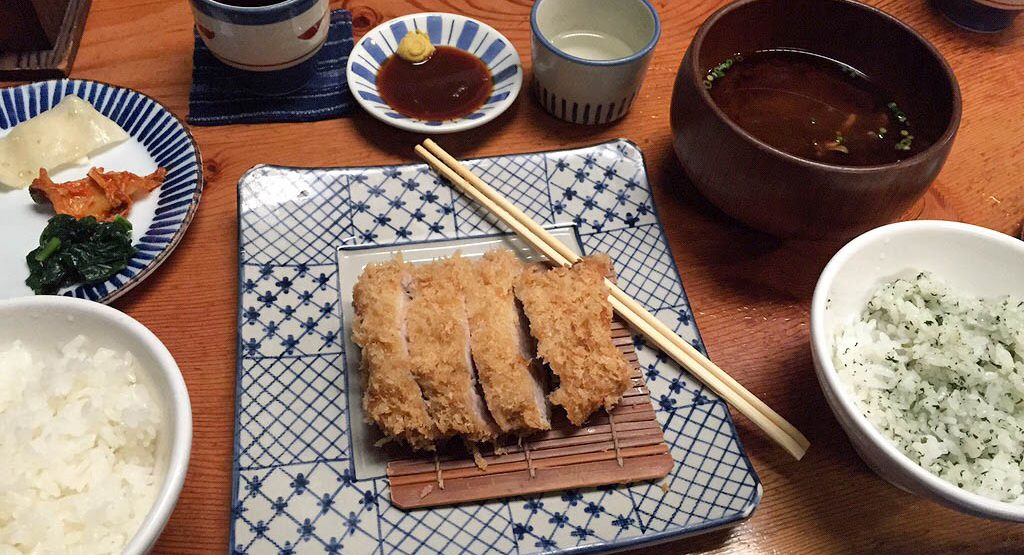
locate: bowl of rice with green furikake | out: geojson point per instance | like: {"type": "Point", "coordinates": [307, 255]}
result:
{"type": "Point", "coordinates": [917, 334]}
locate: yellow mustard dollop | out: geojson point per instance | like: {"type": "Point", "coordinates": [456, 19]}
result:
{"type": "Point", "coordinates": [415, 47]}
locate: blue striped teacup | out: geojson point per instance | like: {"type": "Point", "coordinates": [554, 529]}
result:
{"type": "Point", "coordinates": [590, 56]}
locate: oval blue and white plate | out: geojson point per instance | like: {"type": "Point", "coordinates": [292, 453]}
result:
{"type": "Point", "coordinates": [159, 220]}
{"type": "Point", "coordinates": [445, 29]}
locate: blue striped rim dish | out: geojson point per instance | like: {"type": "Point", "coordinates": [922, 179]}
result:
{"type": "Point", "coordinates": [164, 137]}
{"type": "Point", "coordinates": [444, 29]}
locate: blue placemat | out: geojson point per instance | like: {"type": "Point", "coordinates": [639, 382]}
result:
{"type": "Point", "coordinates": [213, 99]}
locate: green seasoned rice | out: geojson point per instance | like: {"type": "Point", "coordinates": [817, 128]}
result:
{"type": "Point", "coordinates": [942, 375]}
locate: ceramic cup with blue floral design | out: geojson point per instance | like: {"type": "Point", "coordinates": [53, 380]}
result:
{"type": "Point", "coordinates": [590, 56]}
{"type": "Point", "coordinates": [272, 43]}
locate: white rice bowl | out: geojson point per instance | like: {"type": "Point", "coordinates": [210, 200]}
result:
{"type": "Point", "coordinates": [942, 376]}
{"type": "Point", "coordinates": [78, 438]}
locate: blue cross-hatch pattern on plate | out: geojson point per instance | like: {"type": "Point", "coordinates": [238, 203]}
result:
{"type": "Point", "coordinates": [295, 487]}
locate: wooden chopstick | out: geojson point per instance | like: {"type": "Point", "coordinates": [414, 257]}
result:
{"type": "Point", "coordinates": [776, 427]}
{"type": "Point", "coordinates": [682, 352]}
{"type": "Point", "coordinates": [625, 299]}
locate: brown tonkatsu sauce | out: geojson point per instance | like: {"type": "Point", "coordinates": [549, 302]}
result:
{"type": "Point", "coordinates": [450, 84]}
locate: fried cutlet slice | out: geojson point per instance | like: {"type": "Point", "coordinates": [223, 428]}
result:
{"type": "Point", "coordinates": [391, 398]}
{"type": "Point", "coordinates": [514, 387]}
{"type": "Point", "coordinates": [438, 325]}
{"type": "Point", "coordinates": [571, 318]}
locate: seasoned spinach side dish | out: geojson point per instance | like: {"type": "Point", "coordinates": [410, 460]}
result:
{"type": "Point", "coordinates": [78, 251]}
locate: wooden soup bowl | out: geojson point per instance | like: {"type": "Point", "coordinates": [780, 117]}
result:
{"type": "Point", "coordinates": [782, 194]}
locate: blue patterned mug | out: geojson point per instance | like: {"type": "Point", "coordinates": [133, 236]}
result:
{"type": "Point", "coordinates": [590, 56]}
{"type": "Point", "coordinates": [272, 44]}
{"type": "Point", "coordinates": [982, 16]}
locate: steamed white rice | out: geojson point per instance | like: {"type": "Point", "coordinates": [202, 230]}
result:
{"type": "Point", "coordinates": [942, 375]}
{"type": "Point", "coordinates": [77, 449]}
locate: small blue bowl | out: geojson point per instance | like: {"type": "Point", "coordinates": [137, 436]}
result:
{"type": "Point", "coordinates": [445, 29]}
{"type": "Point", "coordinates": [980, 17]}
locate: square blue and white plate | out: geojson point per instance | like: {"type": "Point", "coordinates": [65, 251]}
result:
{"type": "Point", "coordinates": [304, 481]}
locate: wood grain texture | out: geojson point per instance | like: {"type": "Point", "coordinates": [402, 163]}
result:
{"type": "Point", "coordinates": [750, 293]}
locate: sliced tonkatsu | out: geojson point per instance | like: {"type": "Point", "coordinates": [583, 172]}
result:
{"type": "Point", "coordinates": [439, 345]}
{"type": "Point", "coordinates": [447, 348]}
{"type": "Point", "coordinates": [391, 397]}
{"type": "Point", "coordinates": [570, 317]}
{"type": "Point", "coordinates": [513, 383]}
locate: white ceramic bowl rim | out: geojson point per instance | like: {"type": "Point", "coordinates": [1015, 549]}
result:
{"type": "Point", "coordinates": [180, 448]}
{"type": "Point", "coordinates": [254, 9]}
{"type": "Point", "coordinates": [419, 126]}
{"type": "Point", "coordinates": [535, 27]}
{"type": "Point", "coordinates": [822, 345]}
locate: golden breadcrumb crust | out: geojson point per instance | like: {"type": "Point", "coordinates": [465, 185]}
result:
{"type": "Point", "coordinates": [438, 327]}
{"type": "Point", "coordinates": [570, 317]}
{"type": "Point", "coordinates": [515, 397]}
{"type": "Point", "coordinates": [391, 398]}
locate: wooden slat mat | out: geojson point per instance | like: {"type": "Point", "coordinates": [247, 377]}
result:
{"type": "Point", "coordinates": [566, 457]}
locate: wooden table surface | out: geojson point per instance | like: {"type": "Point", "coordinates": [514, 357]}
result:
{"type": "Point", "coordinates": [750, 293]}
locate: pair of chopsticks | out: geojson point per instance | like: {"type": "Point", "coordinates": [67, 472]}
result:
{"type": "Point", "coordinates": [776, 427]}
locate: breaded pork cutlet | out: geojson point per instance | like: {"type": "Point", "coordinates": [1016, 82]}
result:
{"type": "Point", "coordinates": [571, 318]}
{"type": "Point", "coordinates": [391, 397]}
{"type": "Point", "coordinates": [438, 325]}
{"type": "Point", "coordinates": [502, 348]}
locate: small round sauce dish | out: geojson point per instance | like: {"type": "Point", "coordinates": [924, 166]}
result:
{"type": "Point", "coordinates": [466, 73]}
